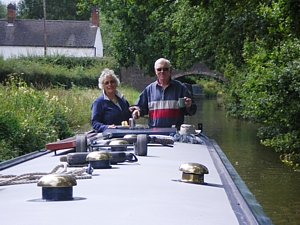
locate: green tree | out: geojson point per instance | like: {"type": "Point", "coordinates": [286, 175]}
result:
{"type": "Point", "coordinates": [267, 88]}
{"type": "Point", "coordinates": [55, 10]}
{"type": "Point", "coordinates": [3, 10]}
{"type": "Point", "coordinates": [184, 31]}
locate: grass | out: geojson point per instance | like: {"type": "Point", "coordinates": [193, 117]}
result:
{"type": "Point", "coordinates": [77, 102]}
{"type": "Point", "coordinates": [30, 118]}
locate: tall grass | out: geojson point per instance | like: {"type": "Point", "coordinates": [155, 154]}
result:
{"type": "Point", "coordinates": [78, 100]}
{"type": "Point", "coordinates": [30, 118]}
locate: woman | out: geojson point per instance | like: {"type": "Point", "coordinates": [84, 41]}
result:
{"type": "Point", "coordinates": [110, 108]}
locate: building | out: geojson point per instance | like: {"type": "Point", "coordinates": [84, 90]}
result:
{"type": "Point", "coordinates": [53, 37]}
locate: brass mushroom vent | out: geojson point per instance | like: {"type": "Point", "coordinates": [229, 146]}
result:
{"type": "Point", "coordinates": [118, 145]}
{"type": "Point", "coordinates": [193, 173]}
{"type": "Point", "coordinates": [99, 159]}
{"type": "Point", "coordinates": [57, 187]}
{"type": "Point", "coordinates": [130, 138]}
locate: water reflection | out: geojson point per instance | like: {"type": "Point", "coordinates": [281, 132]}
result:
{"type": "Point", "coordinates": [275, 186]}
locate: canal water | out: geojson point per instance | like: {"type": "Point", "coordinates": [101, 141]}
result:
{"type": "Point", "coordinates": [275, 185]}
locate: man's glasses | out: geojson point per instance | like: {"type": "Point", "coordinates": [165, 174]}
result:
{"type": "Point", "coordinates": [110, 82]}
{"type": "Point", "coordinates": [163, 69]}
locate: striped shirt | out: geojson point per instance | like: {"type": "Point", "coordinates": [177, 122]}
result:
{"type": "Point", "coordinates": [162, 104]}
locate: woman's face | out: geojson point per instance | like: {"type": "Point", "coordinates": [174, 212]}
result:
{"type": "Point", "coordinates": [110, 85]}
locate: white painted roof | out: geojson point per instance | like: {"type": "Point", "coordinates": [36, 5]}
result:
{"type": "Point", "coordinates": [146, 192]}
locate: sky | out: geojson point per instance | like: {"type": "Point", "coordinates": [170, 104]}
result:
{"type": "Point", "coordinates": [6, 2]}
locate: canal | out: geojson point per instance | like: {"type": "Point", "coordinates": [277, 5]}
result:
{"type": "Point", "coordinates": [275, 185]}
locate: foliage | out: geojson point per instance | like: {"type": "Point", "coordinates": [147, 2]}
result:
{"type": "Point", "coordinates": [107, 35]}
{"type": "Point", "coordinates": [211, 87]}
{"type": "Point", "coordinates": [265, 89]}
{"type": "Point", "coordinates": [183, 31]}
{"type": "Point", "coordinates": [291, 159]}
{"type": "Point", "coordinates": [55, 10]}
{"type": "Point", "coordinates": [269, 93]}
{"type": "Point", "coordinates": [282, 117]}
{"type": "Point", "coordinates": [3, 10]}
{"type": "Point", "coordinates": [29, 118]}
{"type": "Point", "coordinates": [45, 72]}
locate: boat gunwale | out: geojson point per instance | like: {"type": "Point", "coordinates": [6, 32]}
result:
{"type": "Point", "coordinates": [236, 188]}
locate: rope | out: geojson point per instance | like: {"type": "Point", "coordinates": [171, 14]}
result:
{"type": "Point", "coordinates": [28, 178]}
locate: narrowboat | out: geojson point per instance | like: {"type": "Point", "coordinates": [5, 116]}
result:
{"type": "Point", "coordinates": [127, 175]}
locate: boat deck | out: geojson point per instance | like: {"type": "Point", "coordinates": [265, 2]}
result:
{"type": "Point", "coordinates": [149, 191]}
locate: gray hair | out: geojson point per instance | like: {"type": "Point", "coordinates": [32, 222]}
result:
{"type": "Point", "coordinates": [107, 73]}
{"type": "Point", "coordinates": [164, 60]}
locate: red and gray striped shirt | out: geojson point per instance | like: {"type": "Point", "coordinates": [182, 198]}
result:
{"type": "Point", "coordinates": [162, 104]}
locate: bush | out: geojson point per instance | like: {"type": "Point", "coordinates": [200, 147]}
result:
{"type": "Point", "coordinates": [10, 134]}
{"type": "Point", "coordinates": [29, 118]}
{"type": "Point", "coordinates": [44, 72]}
{"type": "Point", "coordinates": [268, 93]}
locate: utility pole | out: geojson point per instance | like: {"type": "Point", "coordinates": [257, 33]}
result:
{"type": "Point", "coordinates": [45, 34]}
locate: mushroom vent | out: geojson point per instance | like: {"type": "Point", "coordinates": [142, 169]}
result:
{"type": "Point", "coordinates": [57, 187]}
{"type": "Point", "coordinates": [118, 145]}
{"type": "Point", "coordinates": [193, 173]}
{"type": "Point", "coordinates": [99, 159]}
{"type": "Point", "coordinates": [130, 138]}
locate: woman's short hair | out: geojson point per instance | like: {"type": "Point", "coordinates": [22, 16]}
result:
{"type": "Point", "coordinates": [107, 73]}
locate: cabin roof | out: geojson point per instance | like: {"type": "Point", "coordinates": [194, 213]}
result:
{"type": "Point", "coordinates": [149, 191]}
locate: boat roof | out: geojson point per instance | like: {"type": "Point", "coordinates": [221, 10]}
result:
{"type": "Point", "coordinates": [149, 191]}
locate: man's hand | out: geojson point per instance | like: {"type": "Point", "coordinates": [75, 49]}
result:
{"type": "Point", "coordinates": [135, 111]}
{"type": "Point", "coordinates": [188, 102]}
{"type": "Point", "coordinates": [136, 114]}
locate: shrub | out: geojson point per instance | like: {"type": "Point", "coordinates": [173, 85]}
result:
{"type": "Point", "coordinates": [29, 118]}
{"type": "Point", "coordinates": [44, 72]}
{"type": "Point", "coordinates": [268, 93]}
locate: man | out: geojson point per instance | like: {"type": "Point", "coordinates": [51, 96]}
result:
{"type": "Point", "coordinates": [160, 99]}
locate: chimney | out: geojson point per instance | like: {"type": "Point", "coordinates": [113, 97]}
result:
{"type": "Point", "coordinates": [11, 13]}
{"type": "Point", "coordinates": [95, 16]}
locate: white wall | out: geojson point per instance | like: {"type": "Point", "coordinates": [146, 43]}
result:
{"type": "Point", "coordinates": [98, 44]}
{"type": "Point", "coordinates": [10, 51]}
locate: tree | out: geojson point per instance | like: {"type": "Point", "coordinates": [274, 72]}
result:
{"type": "Point", "coordinates": [56, 10]}
{"type": "Point", "coordinates": [267, 89]}
{"type": "Point", "coordinates": [183, 31]}
{"type": "Point", "coordinates": [3, 10]}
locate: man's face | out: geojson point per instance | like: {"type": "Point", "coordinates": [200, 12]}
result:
{"type": "Point", "coordinates": [162, 71]}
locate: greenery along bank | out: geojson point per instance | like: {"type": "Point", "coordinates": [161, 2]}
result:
{"type": "Point", "coordinates": [253, 43]}
{"type": "Point", "coordinates": [45, 99]}
{"type": "Point", "coordinates": [49, 106]}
